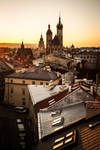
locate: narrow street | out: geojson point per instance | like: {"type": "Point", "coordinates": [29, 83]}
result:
{"type": "Point", "coordinates": [9, 134]}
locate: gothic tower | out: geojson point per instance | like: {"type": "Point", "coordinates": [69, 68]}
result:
{"type": "Point", "coordinates": [60, 32]}
{"type": "Point", "coordinates": [22, 45]}
{"type": "Point", "coordinates": [41, 42]}
{"type": "Point", "coordinates": [48, 39]}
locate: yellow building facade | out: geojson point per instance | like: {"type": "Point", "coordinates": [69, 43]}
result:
{"type": "Point", "coordinates": [16, 90]}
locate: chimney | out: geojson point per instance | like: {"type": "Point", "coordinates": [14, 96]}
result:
{"type": "Point", "coordinates": [69, 88]}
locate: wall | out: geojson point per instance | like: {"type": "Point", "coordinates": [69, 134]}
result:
{"type": "Point", "coordinates": [16, 92]}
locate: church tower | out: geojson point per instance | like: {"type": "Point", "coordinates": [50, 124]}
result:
{"type": "Point", "coordinates": [41, 42]}
{"type": "Point", "coordinates": [48, 39]}
{"type": "Point", "coordinates": [22, 45]}
{"type": "Point", "coordinates": [60, 32]}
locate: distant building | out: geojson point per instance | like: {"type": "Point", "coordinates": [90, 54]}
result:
{"type": "Point", "coordinates": [60, 32]}
{"type": "Point", "coordinates": [41, 48]}
{"type": "Point", "coordinates": [89, 58]}
{"type": "Point", "coordinates": [55, 45]}
{"type": "Point", "coordinates": [58, 63]}
{"type": "Point", "coordinates": [16, 92]}
{"type": "Point", "coordinates": [48, 40]}
{"type": "Point", "coordinates": [24, 53]}
{"type": "Point", "coordinates": [41, 43]}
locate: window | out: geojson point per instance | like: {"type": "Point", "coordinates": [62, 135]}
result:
{"type": "Point", "coordinates": [23, 101]}
{"type": "Point", "coordinates": [87, 56]}
{"type": "Point", "coordinates": [23, 82]}
{"type": "Point", "coordinates": [11, 81]}
{"type": "Point", "coordinates": [23, 91]}
{"type": "Point", "coordinates": [11, 90]}
{"type": "Point", "coordinates": [33, 82]}
{"type": "Point", "coordinates": [41, 83]}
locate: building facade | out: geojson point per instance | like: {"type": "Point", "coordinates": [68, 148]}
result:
{"type": "Point", "coordinates": [16, 91]}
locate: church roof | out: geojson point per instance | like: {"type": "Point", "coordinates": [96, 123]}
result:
{"type": "Point", "coordinates": [24, 52]}
{"type": "Point", "coordinates": [56, 41]}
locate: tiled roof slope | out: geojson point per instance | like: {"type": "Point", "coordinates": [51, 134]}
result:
{"type": "Point", "coordinates": [90, 138]}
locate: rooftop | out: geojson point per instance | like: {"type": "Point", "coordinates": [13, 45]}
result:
{"type": "Point", "coordinates": [70, 115]}
{"type": "Point", "coordinates": [4, 68]}
{"type": "Point", "coordinates": [59, 95]}
{"type": "Point", "coordinates": [87, 139]}
{"type": "Point", "coordinates": [37, 74]}
{"type": "Point", "coordinates": [42, 92]}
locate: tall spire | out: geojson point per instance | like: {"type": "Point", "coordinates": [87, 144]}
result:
{"type": "Point", "coordinates": [59, 17]}
{"type": "Point", "coordinates": [22, 45]}
{"type": "Point", "coordinates": [59, 20]}
{"type": "Point", "coordinates": [59, 25]}
{"type": "Point", "coordinates": [41, 42]}
{"type": "Point", "coordinates": [41, 36]}
{"type": "Point", "coordinates": [60, 31]}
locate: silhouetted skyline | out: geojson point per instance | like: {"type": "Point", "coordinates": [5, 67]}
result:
{"type": "Point", "coordinates": [27, 19]}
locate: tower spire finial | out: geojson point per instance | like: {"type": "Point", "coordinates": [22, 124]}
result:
{"type": "Point", "coordinates": [59, 17]}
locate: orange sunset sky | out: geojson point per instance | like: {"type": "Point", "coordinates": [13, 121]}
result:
{"type": "Point", "coordinates": [27, 19]}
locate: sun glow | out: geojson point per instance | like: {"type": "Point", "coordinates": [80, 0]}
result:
{"type": "Point", "coordinates": [27, 19]}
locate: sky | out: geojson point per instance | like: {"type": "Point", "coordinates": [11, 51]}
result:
{"type": "Point", "coordinates": [27, 19]}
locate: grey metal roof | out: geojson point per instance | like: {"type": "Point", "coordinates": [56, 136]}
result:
{"type": "Point", "coordinates": [87, 138]}
{"type": "Point", "coordinates": [38, 74]}
{"type": "Point", "coordinates": [71, 115]}
{"type": "Point", "coordinates": [41, 92]}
